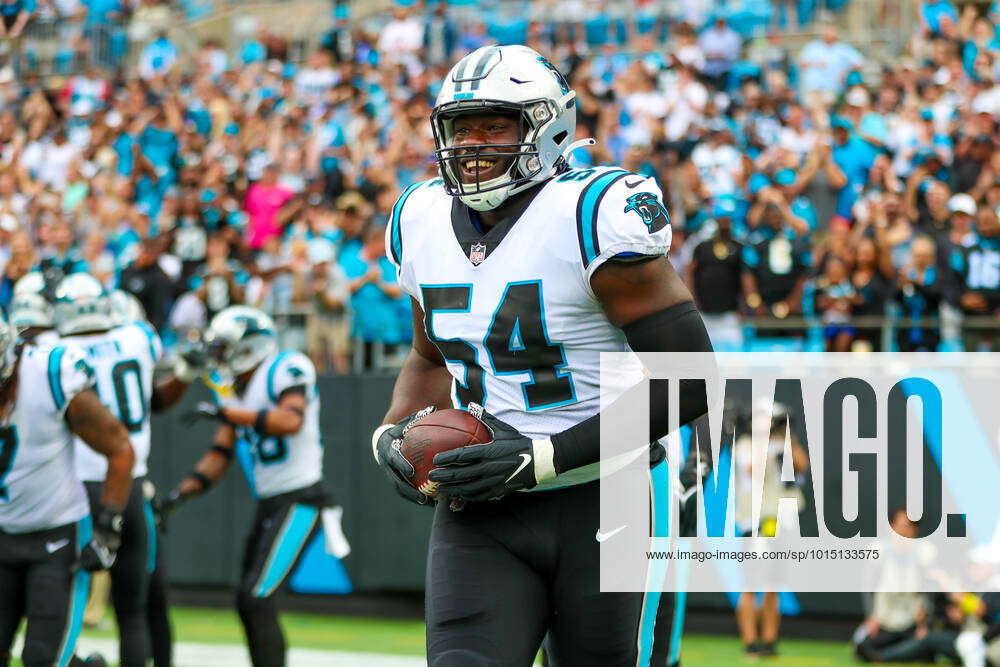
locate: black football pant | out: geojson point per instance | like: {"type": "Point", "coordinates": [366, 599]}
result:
{"type": "Point", "coordinates": [39, 581]}
{"type": "Point", "coordinates": [502, 575]}
{"type": "Point", "coordinates": [158, 608]}
{"type": "Point", "coordinates": [130, 574]}
{"type": "Point", "coordinates": [282, 528]}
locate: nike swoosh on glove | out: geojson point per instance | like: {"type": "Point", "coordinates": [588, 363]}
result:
{"type": "Point", "coordinates": [385, 448]}
{"type": "Point", "coordinates": [100, 552]}
{"type": "Point", "coordinates": [509, 462]}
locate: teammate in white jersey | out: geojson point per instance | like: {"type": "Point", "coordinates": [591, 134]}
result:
{"type": "Point", "coordinates": [268, 407]}
{"type": "Point", "coordinates": [522, 272]}
{"type": "Point", "coordinates": [50, 539]}
{"type": "Point", "coordinates": [123, 354]}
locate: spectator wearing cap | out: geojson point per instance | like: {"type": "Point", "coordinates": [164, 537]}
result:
{"type": "Point", "coordinates": [871, 126]}
{"type": "Point", "coordinates": [775, 270]}
{"type": "Point", "coordinates": [919, 293]}
{"type": "Point", "coordinates": [933, 12]}
{"type": "Point", "coordinates": [824, 64]}
{"type": "Point", "coordinates": [721, 46]}
{"type": "Point", "coordinates": [977, 271]}
{"type": "Point", "coordinates": [158, 57]}
{"type": "Point", "coordinates": [714, 275]}
{"type": "Point", "coordinates": [852, 157]}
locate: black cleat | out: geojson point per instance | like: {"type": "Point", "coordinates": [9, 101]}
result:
{"type": "Point", "coordinates": [767, 650]}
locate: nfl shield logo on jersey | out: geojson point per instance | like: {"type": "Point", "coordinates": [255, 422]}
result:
{"type": "Point", "coordinates": [477, 253]}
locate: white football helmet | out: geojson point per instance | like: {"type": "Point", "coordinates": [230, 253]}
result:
{"type": "Point", "coordinates": [125, 308]}
{"type": "Point", "coordinates": [29, 307]}
{"type": "Point", "coordinates": [82, 305]}
{"type": "Point", "coordinates": [511, 80]}
{"type": "Point", "coordinates": [8, 355]}
{"type": "Point", "coordinates": [239, 338]}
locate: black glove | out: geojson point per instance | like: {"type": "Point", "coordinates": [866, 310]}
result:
{"type": "Point", "coordinates": [385, 447]}
{"type": "Point", "coordinates": [204, 410]}
{"type": "Point", "coordinates": [508, 463]}
{"type": "Point", "coordinates": [163, 506]}
{"type": "Point", "coordinates": [100, 552]}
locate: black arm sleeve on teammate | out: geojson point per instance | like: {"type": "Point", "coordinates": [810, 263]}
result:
{"type": "Point", "coordinates": [678, 328]}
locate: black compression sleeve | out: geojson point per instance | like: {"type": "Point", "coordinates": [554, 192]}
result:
{"type": "Point", "coordinates": [678, 328]}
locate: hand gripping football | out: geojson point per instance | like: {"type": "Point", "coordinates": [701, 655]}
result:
{"type": "Point", "coordinates": [440, 431]}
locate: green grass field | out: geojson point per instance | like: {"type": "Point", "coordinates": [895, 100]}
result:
{"type": "Point", "coordinates": [400, 637]}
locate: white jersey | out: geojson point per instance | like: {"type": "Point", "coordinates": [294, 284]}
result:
{"type": "Point", "coordinates": [123, 360]}
{"type": "Point", "coordinates": [512, 311]}
{"type": "Point", "coordinates": [275, 464]}
{"type": "Point", "coordinates": [39, 488]}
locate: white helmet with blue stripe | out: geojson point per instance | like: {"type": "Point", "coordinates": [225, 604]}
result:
{"type": "Point", "coordinates": [239, 338]}
{"type": "Point", "coordinates": [506, 80]}
{"type": "Point", "coordinates": [82, 305]}
{"type": "Point", "coordinates": [29, 306]}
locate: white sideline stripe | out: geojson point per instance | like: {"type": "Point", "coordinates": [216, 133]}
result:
{"type": "Point", "coordinates": [188, 654]}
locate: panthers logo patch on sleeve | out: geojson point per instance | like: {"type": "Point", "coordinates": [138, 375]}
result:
{"type": "Point", "coordinates": [650, 209]}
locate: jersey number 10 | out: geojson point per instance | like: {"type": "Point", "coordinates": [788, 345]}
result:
{"type": "Point", "coordinates": [516, 343]}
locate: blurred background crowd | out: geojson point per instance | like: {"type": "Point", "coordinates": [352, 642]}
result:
{"type": "Point", "coordinates": [826, 192]}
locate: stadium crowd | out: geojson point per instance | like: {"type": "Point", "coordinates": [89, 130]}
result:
{"type": "Point", "coordinates": [811, 194]}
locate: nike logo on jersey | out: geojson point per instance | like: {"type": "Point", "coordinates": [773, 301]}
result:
{"type": "Point", "coordinates": [525, 460]}
{"type": "Point", "coordinates": [634, 184]}
{"type": "Point", "coordinates": [53, 547]}
{"type": "Point", "coordinates": [603, 537]}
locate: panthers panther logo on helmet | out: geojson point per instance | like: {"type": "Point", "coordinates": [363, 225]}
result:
{"type": "Point", "coordinates": [650, 209]}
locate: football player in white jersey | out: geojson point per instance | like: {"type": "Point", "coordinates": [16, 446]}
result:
{"type": "Point", "coordinates": [31, 312]}
{"type": "Point", "coordinates": [521, 273]}
{"type": "Point", "coordinates": [123, 353]}
{"type": "Point", "coordinates": [50, 536]}
{"type": "Point", "coordinates": [268, 407]}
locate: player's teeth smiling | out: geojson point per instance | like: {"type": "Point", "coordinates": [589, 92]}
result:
{"type": "Point", "coordinates": [481, 164]}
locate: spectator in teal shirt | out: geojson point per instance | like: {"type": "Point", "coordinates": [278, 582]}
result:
{"type": "Point", "coordinates": [15, 15]}
{"type": "Point", "coordinates": [373, 288]}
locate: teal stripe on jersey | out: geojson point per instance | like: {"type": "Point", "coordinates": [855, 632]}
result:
{"type": "Point", "coordinates": [78, 596]}
{"type": "Point", "coordinates": [294, 533]}
{"type": "Point", "coordinates": [147, 513]}
{"type": "Point", "coordinates": [245, 457]}
{"type": "Point", "coordinates": [274, 369]}
{"type": "Point", "coordinates": [151, 336]}
{"type": "Point", "coordinates": [586, 213]}
{"type": "Point", "coordinates": [395, 233]}
{"type": "Point", "coordinates": [55, 376]}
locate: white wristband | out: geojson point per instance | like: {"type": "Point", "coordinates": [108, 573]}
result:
{"type": "Point", "coordinates": [545, 467]}
{"type": "Point", "coordinates": [375, 436]}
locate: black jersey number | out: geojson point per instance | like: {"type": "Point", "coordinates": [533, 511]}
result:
{"type": "Point", "coordinates": [267, 449]}
{"type": "Point", "coordinates": [132, 413]}
{"type": "Point", "coordinates": [8, 449]}
{"type": "Point", "coordinates": [517, 342]}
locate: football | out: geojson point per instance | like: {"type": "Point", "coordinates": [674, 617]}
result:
{"type": "Point", "coordinates": [440, 431]}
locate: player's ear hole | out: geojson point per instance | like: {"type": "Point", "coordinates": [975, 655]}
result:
{"type": "Point", "coordinates": [561, 137]}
